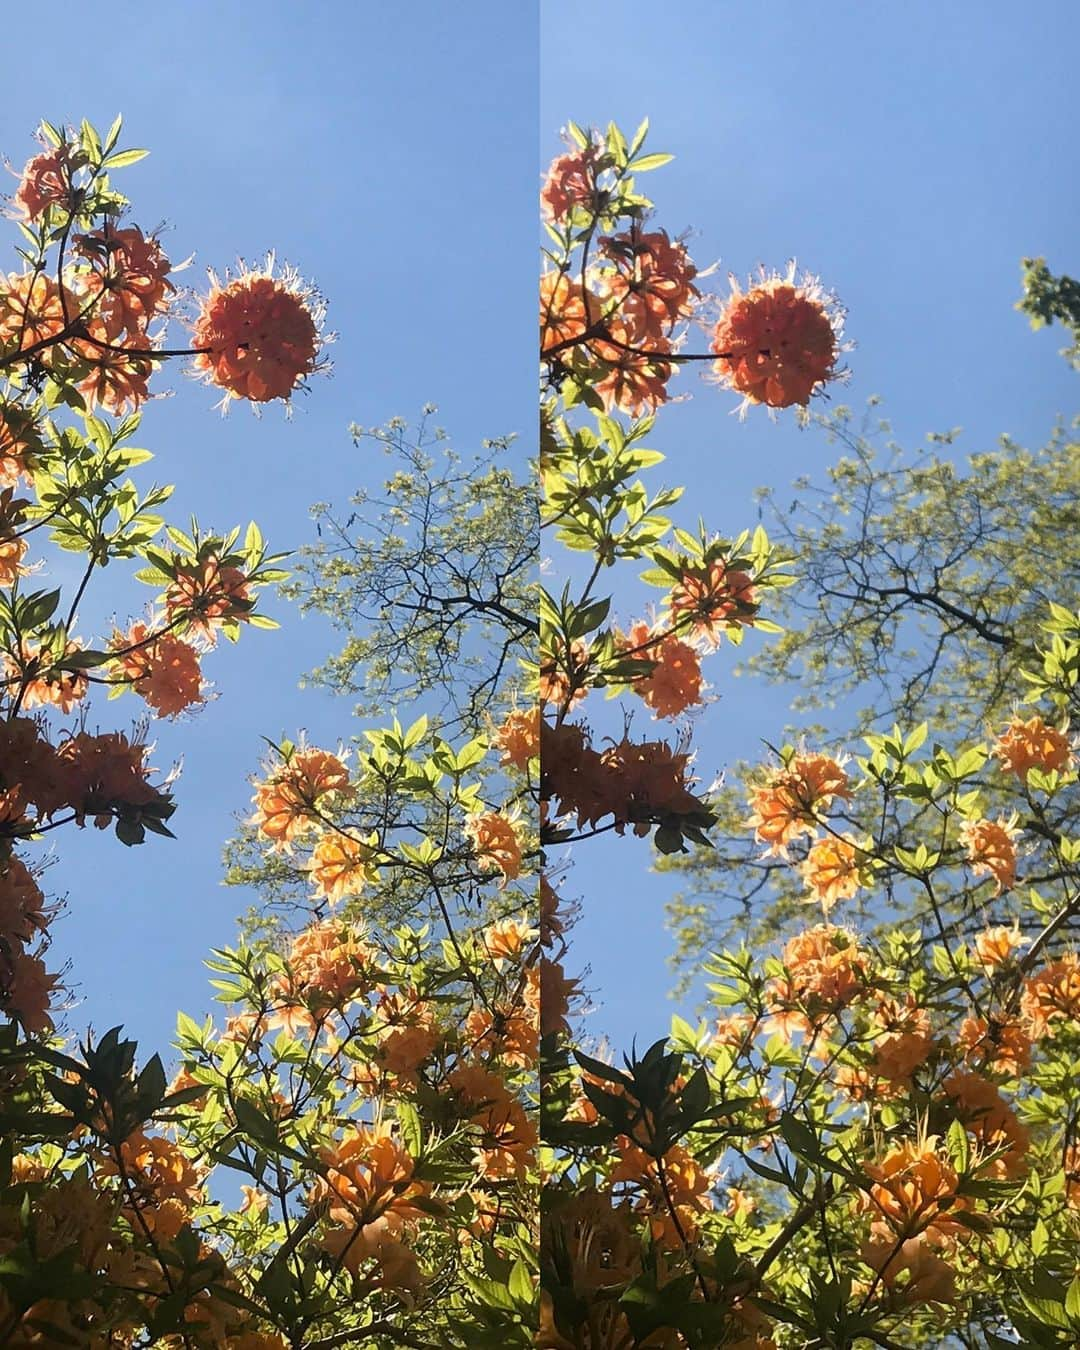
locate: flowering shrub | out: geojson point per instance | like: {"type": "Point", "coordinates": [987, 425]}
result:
{"type": "Point", "coordinates": [869, 1136]}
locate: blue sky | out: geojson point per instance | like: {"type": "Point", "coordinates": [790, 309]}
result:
{"type": "Point", "coordinates": [910, 155]}
{"type": "Point", "coordinates": [389, 152]}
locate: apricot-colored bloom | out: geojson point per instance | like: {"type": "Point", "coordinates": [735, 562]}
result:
{"type": "Point", "coordinates": [991, 851]}
{"type": "Point", "coordinates": [26, 992]}
{"type": "Point", "coordinates": [915, 1191]}
{"type": "Point", "coordinates": [709, 600]}
{"type": "Point", "coordinates": [674, 683]}
{"type": "Point", "coordinates": [114, 381]}
{"type": "Point", "coordinates": [342, 864]}
{"type": "Point", "coordinates": [652, 284]}
{"type": "Point", "coordinates": [778, 342]}
{"type": "Point", "coordinates": [289, 802]}
{"type": "Point", "coordinates": [1024, 746]}
{"type": "Point", "coordinates": [741, 1204]}
{"type": "Point", "coordinates": [569, 182]}
{"type": "Point", "coordinates": [634, 381]}
{"type": "Point", "coordinates": [929, 1279]}
{"type": "Point", "coordinates": [989, 1120]}
{"type": "Point", "coordinates": [495, 843]}
{"type": "Point", "coordinates": [12, 553]}
{"type": "Point", "coordinates": [165, 672]}
{"type": "Point", "coordinates": [22, 905]}
{"type": "Point", "coordinates": [329, 961]}
{"type": "Point", "coordinates": [107, 773]}
{"type": "Point", "coordinates": [46, 181]}
{"type": "Point", "coordinates": [999, 1045]}
{"type": "Point", "coordinates": [995, 946]}
{"type": "Point", "coordinates": [792, 797]}
{"type": "Point", "coordinates": [519, 737]}
{"type": "Point", "coordinates": [32, 310]}
{"type": "Point", "coordinates": [19, 442]}
{"type": "Point", "coordinates": [43, 684]}
{"type": "Point", "coordinates": [261, 334]}
{"type": "Point", "coordinates": [565, 310]}
{"type": "Point", "coordinates": [551, 923]}
{"type": "Point", "coordinates": [832, 870]}
{"type": "Point", "coordinates": [208, 595]}
{"type": "Point", "coordinates": [406, 1033]}
{"type": "Point", "coordinates": [506, 939]}
{"type": "Point", "coordinates": [558, 991]}
{"type": "Point", "coordinates": [687, 1184]}
{"type": "Point", "coordinates": [903, 1041]}
{"type": "Point", "coordinates": [131, 279]}
{"type": "Point", "coordinates": [556, 669]}
{"type": "Point", "coordinates": [827, 971]}
{"type": "Point", "coordinates": [1052, 993]}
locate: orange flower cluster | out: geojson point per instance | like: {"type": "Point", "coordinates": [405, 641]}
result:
{"type": "Point", "coordinates": [507, 1134]}
{"type": "Point", "coordinates": [519, 738]}
{"type": "Point", "coordinates": [341, 864]}
{"type": "Point", "coordinates": [709, 600]}
{"type": "Point", "coordinates": [46, 182]}
{"type": "Point", "coordinates": [371, 1191]}
{"type": "Point", "coordinates": [566, 311]}
{"type": "Point", "coordinates": [26, 988]}
{"type": "Point", "coordinates": [292, 799]}
{"type": "Point", "coordinates": [913, 1202]}
{"type": "Point", "coordinates": [33, 310]}
{"type": "Point", "coordinates": [163, 670]}
{"type": "Point", "coordinates": [1024, 746]}
{"type": "Point", "coordinates": [559, 670]}
{"type": "Point", "coordinates": [826, 971]}
{"type": "Point", "coordinates": [637, 783]}
{"type": "Point", "coordinates": [496, 843]}
{"type": "Point", "coordinates": [406, 1033]}
{"type": "Point", "coordinates": [832, 870]}
{"type": "Point", "coordinates": [43, 682]}
{"type": "Point", "coordinates": [19, 442]}
{"type": "Point", "coordinates": [674, 683]}
{"type": "Point", "coordinates": [778, 342]}
{"type": "Point", "coordinates": [570, 182]}
{"type": "Point", "coordinates": [327, 967]}
{"type": "Point", "coordinates": [130, 280]}
{"type": "Point", "coordinates": [652, 284]}
{"type": "Point", "coordinates": [991, 851]}
{"type": "Point", "coordinates": [162, 1185]}
{"type": "Point", "coordinates": [999, 1045]}
{"type": "Point", "coordinates": [1052, 994]}
{"type": "Point", "coordinates": [684, 1180]}
{"type": "Point", "coordinates": [995, 946]}
{"type": "Point", "coordinates": [989, 1120]}
{"type": "Point", "coordinates": [208, 595]}
{"type": "Point", "coordinates": [792, 798]}
{"type": "Point", "coordinates": [902, 1039]}
{"type": "Point", "coordinates": [258, 336]}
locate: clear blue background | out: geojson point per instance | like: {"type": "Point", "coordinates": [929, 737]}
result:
{"type": "Point", "coordinates": [908, 154]}
{"type": "Point", "coordinates": [388, 151]}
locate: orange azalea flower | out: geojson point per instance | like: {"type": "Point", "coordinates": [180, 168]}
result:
{"type": "Point", "coordinates": [506, 939]}
{"type": "Point", "coordinates": [988, 1119]}
{"type": "Point", "coordinates": [519, 738]}
{"type": "Point", "coordinates": [904, 1039]}
{"type": "Point", "coordinates": [788, 803]}
{"type": "Point", "coordinates": [551, 925]}
{"type": "Point", "coordinates": [652, 284]}
{"type": "Point", "coordinates": [12, 553]}
{"type": "Point", "coordinates": [1071, 1164]}
{"type": "Point", "coordinates": [1051, 994]}
{"type": "Point", "coordinates": [565, 310]}
{"type": "Point", "coordinates": [827, 968]}
{"type": "Point", "coordinates": [290, 801]}
{"type": "Point", "coordinates": [832, 870]}
{"type": "Point", "coordinates": [26, 992]}
{"type": "Point", "coordinates": [912, 1268]}
{"type": "Point", "coordinates": [635, 381]}
{"type": "Point", "coordinates": [369, 1174]}
{"type": "Point", "coordinates": [557, 993]}
{"type": "Point", "coordinates": [495, 843]}
{"type": "Point", "coordinates": [707, 601]}
{"type": "Point", "coordinates": [130, 276]}
{"type": "Point", "coordinates": [341, 864]}
{"type": "Point", "coordinates": [165, 672]}
{"type": "Point", "coordinates": [1001, 1046]}
{"type": "Point", "coordinates": [991, 851]}
{"type": "Point", "coordinates": [114, 381]}
{"type": "Point", "coordinates": [687, 1184]}
{"type": "Point", "coordinates": [995, 946]}
{"type": "Point", "coordinates": [32, 310]}
{"type": "Point", "coordinates": [213, 594]}
{"type": "Point", "coordinates": [1024, 746]}
{"type": "Point", "coordinates": [22, 905]}
{"type": "Point", "coordinates": [555, 673]}
{"type": "Point", "coordinates": [107, 772]}
{"type": "Point", "coordinates": [674, 683]}
{"type": "Point", "coordinates": [406, 1032]}
{"type": "Point", "coordinates": [740, 1203]}
{"type": "Point", "coordinates": [19, 442]}
{"type": "Point", "coordinates": [778, 342]}
{"type": "Point", "coordinates": [914, 1192]}
{"type": "Point", "coordinates": [43, 684]}
{"type": "Point", "coordinates": [569, 182]}
{"type": "Point", "coordinates": [261, 334]}
{"type": "Point", "coordinates": [46, 181]}
{"type": "Point", "coordinates": [509, 1033]}
{"type": "Point", "coordinates": [328, 963]}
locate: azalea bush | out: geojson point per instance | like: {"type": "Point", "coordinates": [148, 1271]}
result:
{"type": "Point", "coordinates": [870, 1137]}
